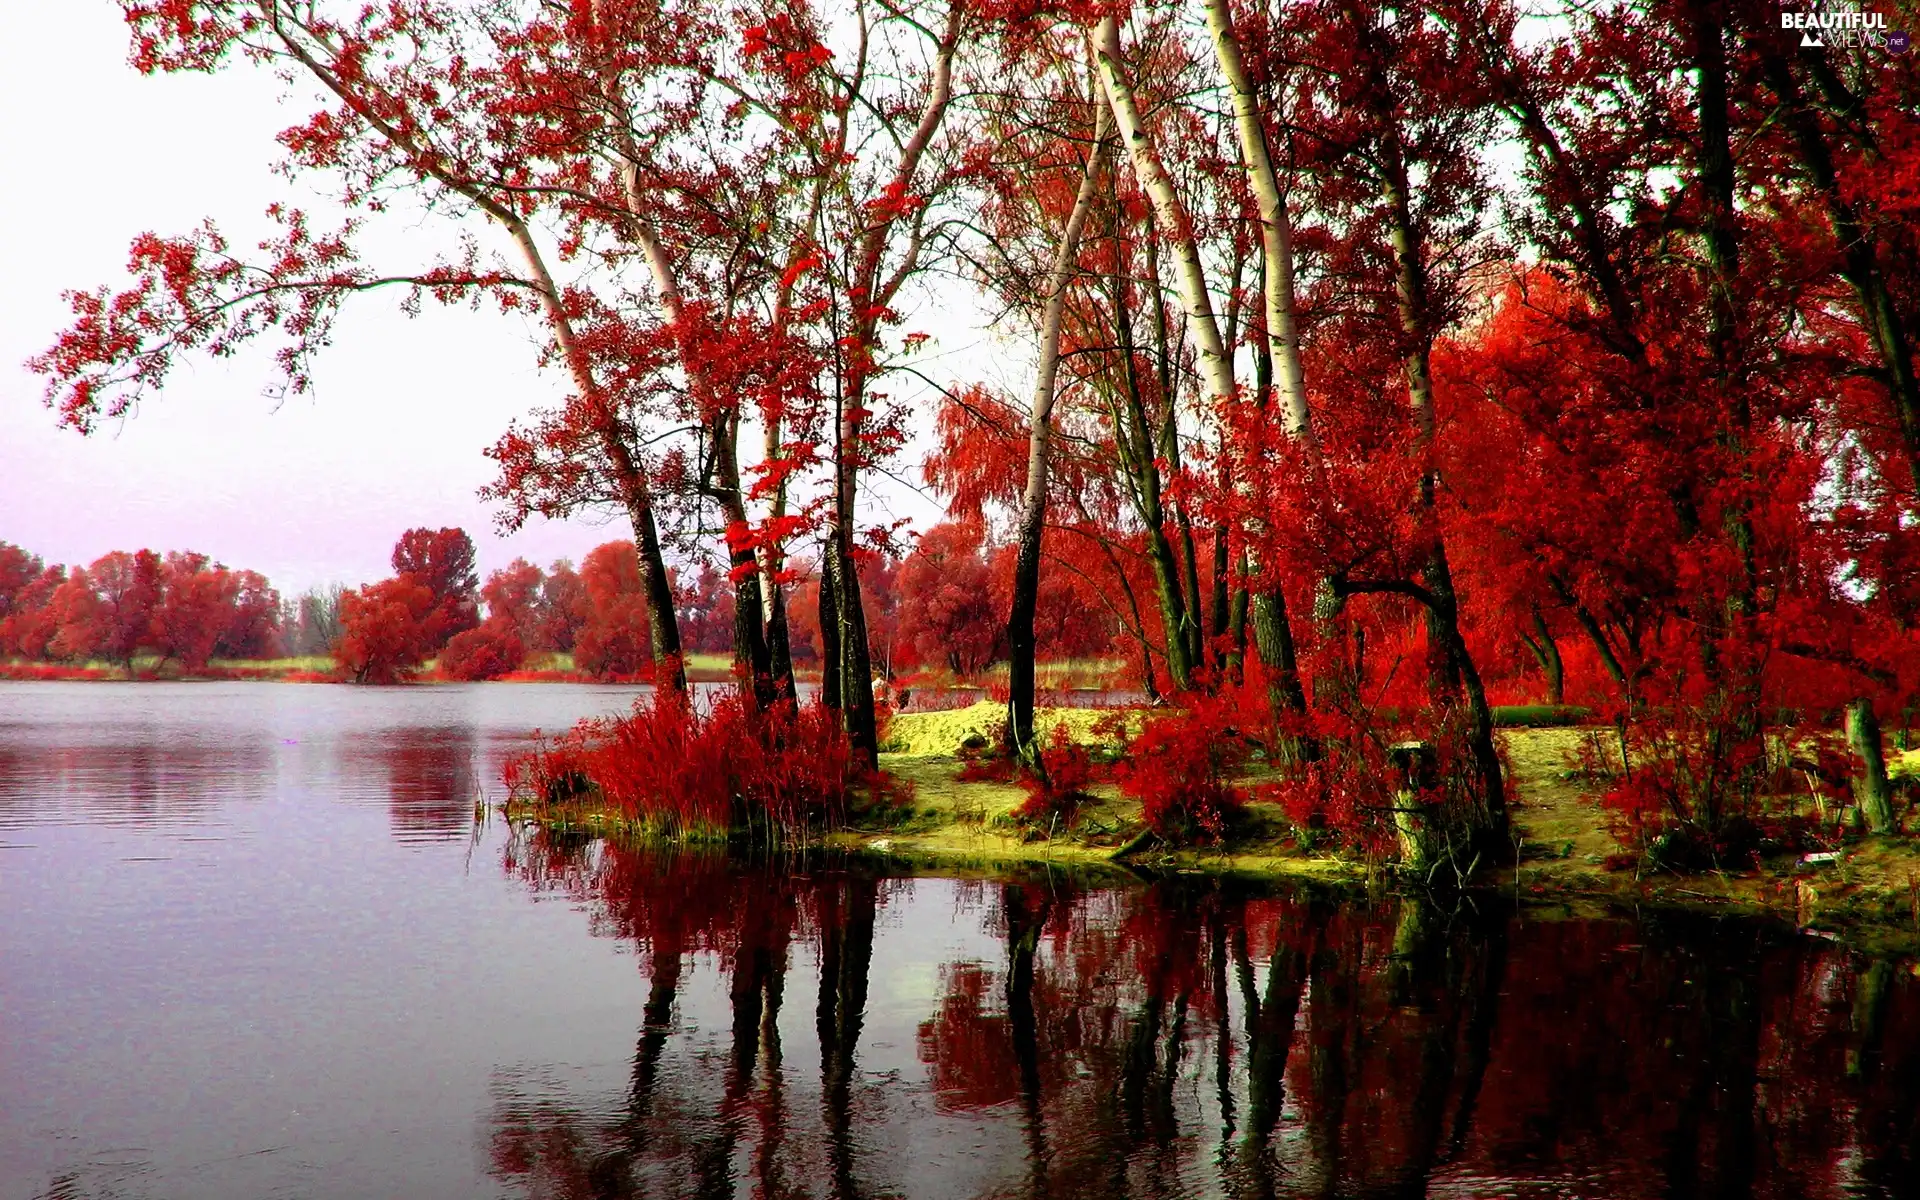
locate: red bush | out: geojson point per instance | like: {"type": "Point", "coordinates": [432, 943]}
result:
{"type": "Point", "coordinates": [1178, 768]}
{"type": "Point", "coordinates": [1057, 790]}
{"type": "Point", "coordinates": [486, 652]}
{"type": "Point", "coordinates": [671, 764]}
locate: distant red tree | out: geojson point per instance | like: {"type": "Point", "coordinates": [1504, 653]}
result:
{"type": "Point", "coordinates": [487, 651]}
{"type": "Point", "coordinates": [196, 602]}
{"type": "Point", "coordinates": [803, 617]}
{"type": "Point", "coordinates": [946, 608]}
{"type": "Point", "coordinates": [513, 596]}
{"type": "Point", "coordinates": [384, 630]}
{"type": "Point", "coordinates": [72, 619]}
{"type": "Point", "coordinates": [252, 629]}
{"type": "Point", "coordinates": [17, 569]}
{"type": "Point", "coordinates": [706, 611]}
{"type": "Point", "coordinates": [614, 639]}
{"type": "Point", "coordinates": [126, 587]}
{"type": "Point", "coordinates": [880, 592]}
{"type": "Point", "coordinates": [29, 624]}
{"type": "Point", "coordinates": [563, 607]}
{"type": "Point", "coordinates": [441, 560]}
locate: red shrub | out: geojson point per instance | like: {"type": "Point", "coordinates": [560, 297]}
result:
{"type": "Point", "coordinates": [672, 764]}
{"type": "Point", "coordinates": [486, 652]}
{"type": "Point", "coordinates": [1696, 790]}
{"type": "Point", "coordinates": [1061, 784]}
{"type": "Point", "coordinates": [1178, 767]}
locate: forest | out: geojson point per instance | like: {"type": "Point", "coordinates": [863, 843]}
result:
{"type": "Point", "coordinates": [180, 614]}
{"type": "Point", "coordinates": [1356, 368]}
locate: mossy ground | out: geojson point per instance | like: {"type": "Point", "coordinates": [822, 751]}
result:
{"type": "Point", "coordinates": [1565, 855]}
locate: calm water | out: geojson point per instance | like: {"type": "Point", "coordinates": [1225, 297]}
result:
{"type": "Point", "coordinates": [250, 946]}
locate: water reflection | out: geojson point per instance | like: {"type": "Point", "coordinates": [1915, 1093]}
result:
{"type": "Point", "coordinates": [431, 776]}
{"type": "Point", "coordinates": [1184, 1039]}
{"type": "Point", "coordinates": [149, 780]}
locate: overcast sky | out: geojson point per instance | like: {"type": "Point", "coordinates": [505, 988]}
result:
{"type": "Point", "coordinates": [311, 491]}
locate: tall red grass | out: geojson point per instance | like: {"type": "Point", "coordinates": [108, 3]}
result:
{"type": "Point", "coordinates": [687, 770]}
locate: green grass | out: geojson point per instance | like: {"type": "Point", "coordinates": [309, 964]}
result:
{"type": "Point", "coordinates": [920, 734]}
{"type": "Point", "coordinates": [301, 662]}
{"type": "Point", "coordinates": [1051, 675]}
{"type": "Point", "coordinates": [1539, 716]}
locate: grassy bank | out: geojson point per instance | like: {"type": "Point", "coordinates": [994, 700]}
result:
{"type": "Point", "coordinates": [1565, 856]}
{"type": "Point", "coordinates": [539, 668]}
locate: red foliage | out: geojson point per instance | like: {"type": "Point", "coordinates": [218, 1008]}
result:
{"type": "Point", "coordinates": [488, 651]}
{"type": "Point", "coordinates": [441, 560]}
{"type": "Point", "coordinates": [513, 595]}
{"type": "Point", "coordinates": [706, 611]}
{"type": "Point", "coordinates": [564, 608]}
{"type": "Point", "coordinates": [947, 614]}
{"type": "Point", "coordinates": [30, 622]}
{"type": "Point", "coordinates": [384, 630]}
{"type": "Point", "coordinates": [1056, 791]}
{"type": "Point", "coordinates": [692, 769]}
{"type": "Point", "coordinates": [613, 642]}
{"type": "Point", "coordinates": [1179, 765]}
{"type": "Point", "coordinates": [126, 588]}
{"type": "Point", "coordinates": [196, 603]}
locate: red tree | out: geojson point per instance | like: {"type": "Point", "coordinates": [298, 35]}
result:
{"type": "Point", "coordinates": [513, 596]}
{"type": "Point", "coordinates": [947, 613]}
{"type": "Point", "coordinates": [441, 560]}
{"type": "Point", "coordinates": [563, 608]}
{"type": "Point", "coordinates": [613, 641]}
{"type": "Point", "coordinates": [385, 630]}
{"type": "Point", "coordinates": [195, 607]}
{"type": "Point", "coordinates": [488, 651]}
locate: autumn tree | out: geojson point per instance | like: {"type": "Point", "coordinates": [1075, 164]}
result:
{"type": "Point", "coordinates": [513, 597]}
{"type": "Point", "coordinates": [441, 560]}
{"type": "Point", "coordinates": [563, 607]}
{"type": "Point", "coordinates": [947, 613]}
{"type": "Point", "coordinates": [612, 641]}
{"type": "Point", "coordinates": [386, 630]}
{"type": "Point", "coordinates": [195, 607]}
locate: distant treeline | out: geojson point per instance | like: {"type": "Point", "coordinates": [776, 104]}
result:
{"type": "Point", "coordinates": [183, 609]}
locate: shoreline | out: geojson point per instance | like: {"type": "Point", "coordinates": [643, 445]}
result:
{"type": "Point", "coordinates": [1566, 861]}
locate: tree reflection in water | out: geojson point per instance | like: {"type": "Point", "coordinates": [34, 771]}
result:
{"type": "Point", "coordinates": [1191, 1038]}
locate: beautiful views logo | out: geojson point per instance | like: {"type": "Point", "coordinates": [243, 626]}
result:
{"type": "Point", "coordinates": [1846, 29]}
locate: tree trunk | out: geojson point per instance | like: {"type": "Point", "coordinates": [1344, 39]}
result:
{"type": "Point", "coordinates": [869, 295]}
{"type": "Point", "coordinates": [1278, 358]}
{"type": "Point", "coordinates": [1451, 667]}
{"type": "Point", "coordinates": [1033, 506]}
{"type": "Point", "coordinates": [1546, 651]}
{"type": "Point", "coordinates": [829, 643]}
{"type": "Point", "coordinates": [779, 644]}
{"type": "Point", "coordinates": [856, 663]}
{"type": "Point", "coordinates": [1214, 365]}
{"type": "Point", "coordinates": [1871, 790]}
{"type": "Point", "coordinates": [752, 660]}
{"type": "Point", "coordinates": [1134, 444]}
{"type": "Point", "coordinates": [663, 625]}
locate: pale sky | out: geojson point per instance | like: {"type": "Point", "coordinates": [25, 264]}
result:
{"type": "Point", "coordinates": [311, 491]}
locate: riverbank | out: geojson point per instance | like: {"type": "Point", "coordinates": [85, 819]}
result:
{"type": "Point", "coordinates": [539, 668]}
{"type": "Point", "coordinates": [1565, 853]}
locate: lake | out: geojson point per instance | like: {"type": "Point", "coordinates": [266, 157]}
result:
{"type": "Point", "coordinates": [253, 944]}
